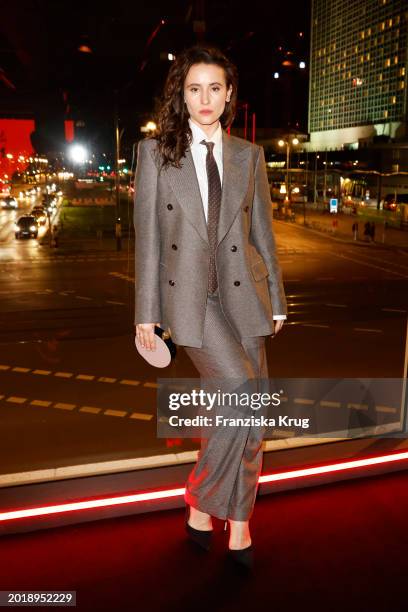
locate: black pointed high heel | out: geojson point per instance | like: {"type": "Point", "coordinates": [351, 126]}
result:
{"type": "Point", "coordinates": [200, 537]}
{"type": "Point", "coordinates": [242, 557]}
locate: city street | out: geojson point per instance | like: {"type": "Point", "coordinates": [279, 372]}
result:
{"type": "Point", "coordinates": [205, 169]}
{"type": "Point", "coordinates": [21, 249]}
{"type": "Point", "coordinates": [74, 390]}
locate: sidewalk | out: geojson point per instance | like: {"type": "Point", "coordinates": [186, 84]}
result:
{"type": "Point", "coordinates": [339, 227]}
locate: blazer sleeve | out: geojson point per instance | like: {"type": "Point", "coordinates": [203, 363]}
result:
{"type": "Point", "coordinates": [147, 238]}
{"type": "Point", "coordinates": [262, 234]}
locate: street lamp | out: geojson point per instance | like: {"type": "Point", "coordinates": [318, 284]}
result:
{"type": "Point", "coordinates": [150, 126]}
{"type": "Point", "coordinates": [78, 153]}
{"type": "Point", "coordinates": [287, 143]}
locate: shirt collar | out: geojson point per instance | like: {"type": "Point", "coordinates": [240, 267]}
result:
{"type": "Point", "coordinates": [199, 134]}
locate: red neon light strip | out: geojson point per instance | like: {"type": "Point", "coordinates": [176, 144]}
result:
{"type": "Point", "coordinates": [139, 497]}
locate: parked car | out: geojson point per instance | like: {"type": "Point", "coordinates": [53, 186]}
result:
{"type": "Point", "coordinates": [26, 226]}
{"type": "Point", "coordinates": [9, 202]}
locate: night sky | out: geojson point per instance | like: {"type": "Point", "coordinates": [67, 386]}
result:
{"type": "Point", "coordinates": [43, 72]}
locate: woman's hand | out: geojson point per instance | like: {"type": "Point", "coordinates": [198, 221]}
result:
{"type": "Point", "coordinates": [278, 326]}
{"type": "Point", "coordinates": [146, 336]}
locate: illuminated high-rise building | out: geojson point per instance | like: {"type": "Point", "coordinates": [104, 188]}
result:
{"type": "Point", "coordinates": [358, 73]}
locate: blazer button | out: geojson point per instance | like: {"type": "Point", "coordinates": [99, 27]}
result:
{"type": "Point", "coordinates": [246, 208]}
{"type": "Point", "coordinates": [170, 206]}
{"type": "Point", "coordinates": [233, 248]}
{"type": "Point", "coordinates": [172, 283]}
{"type": "Point", "coordinates": [237, 283]}
{"type": "Point", "coordinates": [174, 246]}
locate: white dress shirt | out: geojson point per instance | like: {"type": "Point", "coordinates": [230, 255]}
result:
{"type": "Point", "coordinates": [199, 154]}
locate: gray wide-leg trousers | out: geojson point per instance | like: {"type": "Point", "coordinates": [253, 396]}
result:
{"type": "Point", "coordinates": [224, 481]}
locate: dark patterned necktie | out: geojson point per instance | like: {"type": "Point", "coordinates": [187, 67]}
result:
{"type": "Point", "coordinates": [214, 204]}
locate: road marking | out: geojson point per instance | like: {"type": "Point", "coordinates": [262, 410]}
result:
{"type": "Point", "coordinates": [386, 409]}
{"type": "Point", "coordinates": [313, 325]}
{"type": "Point", "coordinates": [330, 404]}
{"type": "Point", "coordinates": [370, 265]}
{"type": "Point", "coordinates": [358, 406]}
{"type": "Point", "coordinates": [141, 416]}
{"type": "Point", "coordinates": [393, 310]}
{"type": "Point", "coordinates": [303, 400]}
{"type": "Point", "coordinates": [86, 377]}
{"type": "Point", "coordinates": [16, 400]}
{"type": "Point", "coordinates": [41, 403]}
{"type": "Point", "coordinates": [83, 297]}
{"type": "Point", "coordinates": [90, 409]}
{"type": "Point", "coordinates": [64, 406]}
{"type": "Point", "coordinates": [123, 276]}
{"type": "Point", "coordinates": [337, 305]}
{"type": "Point", "coordinates": [117, 413]}
{"type": "Point", "coordinates": [376, 259]}
{"type": "Point", "coordinates": [116, 303]}
{"type": "Point", "coordinates": [367, 329]}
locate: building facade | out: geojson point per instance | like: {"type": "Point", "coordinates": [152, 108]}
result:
{"type": "Point", "coordinates": [358, 73]}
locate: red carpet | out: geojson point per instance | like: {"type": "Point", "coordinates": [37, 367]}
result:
{"type": "Point", "coordinates": [334, 547]}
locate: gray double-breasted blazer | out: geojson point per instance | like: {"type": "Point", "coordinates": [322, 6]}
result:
{"type": "Point", "coordinates": [172, 250]}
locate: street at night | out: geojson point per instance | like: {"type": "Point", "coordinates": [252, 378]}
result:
{"type": "Point", "coordinates": [70, 363]}
{"type": "Point", "coordinates": [204, 349]}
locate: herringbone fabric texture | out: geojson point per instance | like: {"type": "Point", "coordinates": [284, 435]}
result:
{"type": "Point", "coordinates": [214, 204]}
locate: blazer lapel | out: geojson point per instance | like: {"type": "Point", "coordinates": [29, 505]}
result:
{"type": "Point", "coordinates": [235, 177]}
{"type": "Point", "coordinates": [184, 183]}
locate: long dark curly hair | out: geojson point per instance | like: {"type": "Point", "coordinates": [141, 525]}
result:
{"type": "Point", "coordinates": [173, 133]}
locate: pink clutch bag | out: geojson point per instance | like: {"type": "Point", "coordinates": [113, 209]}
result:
{"type": "Point", "coordinates": [165, 349]}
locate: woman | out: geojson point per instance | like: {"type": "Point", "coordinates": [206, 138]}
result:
{"type": "Point", "coordinates": [206, 267]}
